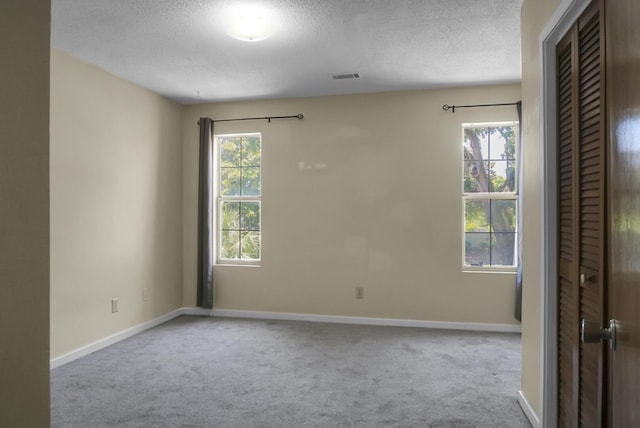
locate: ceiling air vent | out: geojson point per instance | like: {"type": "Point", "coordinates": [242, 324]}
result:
{"type": "Point", "coordinates": [345, 76]}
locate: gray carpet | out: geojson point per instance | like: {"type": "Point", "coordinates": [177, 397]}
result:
{"type": "Point", "coordinates": [217, 372]}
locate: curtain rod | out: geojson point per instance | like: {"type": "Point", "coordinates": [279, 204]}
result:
{"type": "Point", "coordinates": [297, 116]}
{"type": "Point", "coordinates": [446, 107]}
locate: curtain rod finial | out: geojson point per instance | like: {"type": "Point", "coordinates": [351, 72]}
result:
{"type": "Point", "coordinates": [446, 107]}
{"type": "Point", "coordinates": [300, 116]}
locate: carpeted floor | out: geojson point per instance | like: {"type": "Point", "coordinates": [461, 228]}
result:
{"type": "Point", "coordinates": [220, 372]}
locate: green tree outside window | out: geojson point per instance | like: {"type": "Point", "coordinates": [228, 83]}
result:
{"type": "Point", "coordinates": [239, 195]}
{"type": "Point", "coordinates": [489, 194]}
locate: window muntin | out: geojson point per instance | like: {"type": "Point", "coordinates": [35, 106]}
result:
{"type": "Point", "coordinates": [239, 198]}
{"type": "Point", "coordinates": [489, 196]}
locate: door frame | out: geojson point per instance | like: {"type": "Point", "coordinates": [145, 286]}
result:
{"type": "Point", "coordinates": [563, 18]}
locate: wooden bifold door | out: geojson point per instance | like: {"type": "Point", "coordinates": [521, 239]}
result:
{"type": "Point", "coordinates": [581, 218]}
{"type": "Point", "coordinates": [598, 103]}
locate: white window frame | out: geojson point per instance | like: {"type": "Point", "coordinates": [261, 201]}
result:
{"type": "Point", "coordinates": [492, 196]}
{"type": "Point", "coordinates": [233, 198]}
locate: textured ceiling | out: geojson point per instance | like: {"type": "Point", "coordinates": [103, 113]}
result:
{"type": "Point", "coordinates": [179, 48]}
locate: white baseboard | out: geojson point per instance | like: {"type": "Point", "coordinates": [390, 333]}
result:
{"type": "Point", "coordinates": [110, 340]}
{"type": "Point", "coordinates": [503, 328]}
{"type": "Point", "coordinates": [528, 410]}
{"type": "Point", "coordinates": [200, 312]}
{"type": "Point", "coordinates": [230, 313]}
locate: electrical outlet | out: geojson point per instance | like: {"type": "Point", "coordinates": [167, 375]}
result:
{"type": "Point", "coordinates": [146, 294]}
{"type": "Point", "coordinates": [359, 292]}
{"type": "Point", "coordinates": [114, 305]}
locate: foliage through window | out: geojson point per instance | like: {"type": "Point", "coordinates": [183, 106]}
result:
{"type": "Point", "coordinates": [239, 197]}
{"type": "Point", "coordinates": [490, 195]}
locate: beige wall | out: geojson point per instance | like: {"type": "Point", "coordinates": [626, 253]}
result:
{"type": "Point", "coordinates": [24, 213]}
{"type": "Point", "coordinates": [116, 204]}
{"type": "Point", "coordinates": [365, 191]}
{"type": "Point", "coordinates": [535, 15]}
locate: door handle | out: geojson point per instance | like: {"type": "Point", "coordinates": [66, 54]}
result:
{"type": "Point", "coordinates": [591, 332]}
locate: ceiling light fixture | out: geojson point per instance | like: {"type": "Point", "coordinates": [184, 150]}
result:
{"type": "Point", "coordinates": [250, 25]}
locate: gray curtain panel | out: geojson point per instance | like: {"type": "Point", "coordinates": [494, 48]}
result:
{"type": "Point", "coordinates": [205, 215]}
{"type": "Point", "coordinates": [518, 307]}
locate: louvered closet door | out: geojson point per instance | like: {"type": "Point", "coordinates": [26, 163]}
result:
{"type": "Point", "coordinates": [568, 333]}
{"type": "Point", "coordinates": [581, 205]}
{"type": "Point", "coordinates": [592, 144]}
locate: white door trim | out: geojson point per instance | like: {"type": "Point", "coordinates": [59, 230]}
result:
{"type": "Point", "coordinates": [565, 15]}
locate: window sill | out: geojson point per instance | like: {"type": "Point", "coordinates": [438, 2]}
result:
{"type": "Point", "coordinates": [224, 264]}
{"type": "Point", "coordinates": [509, 271]}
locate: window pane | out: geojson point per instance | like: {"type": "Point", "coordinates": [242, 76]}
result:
{"type": "Point", "coordinates": [476, 143]}
{"type": "Point", "coordinates": [477, 249]}
{"type": "Point", "coordinates": [489, 164]}
{"type": "Point", "coordinates": [250, 216]}
{"type": "Point", "coordinates": [251, 181]}
{"type": "Point", "coordinates": [502, 142]}
{"type": "Point", "coordinates": [502, 176]}
{"type": "Point", "coordinates": [230, 181]}
{"type": "Point", "coordinates": [503, 249]}
{"type": "Point", "coordinates": [239, 188]}
{"type": "Point", "coordinates": [475, 177]}
{"type": "Point", "coordinates": [476, 215]}
{"type": "Point", "coordinates": [230, 247]}
{"type": "Point", "coordinates": [503, 215]}
{"type": "Point", "coordinates": [250, 246]}
{"type": "Point", "coordinates": [230, 213]}
{"type": "Point", "coordinates": [251, 151]}
{"type": "Point", "coordinates": [230, 151]}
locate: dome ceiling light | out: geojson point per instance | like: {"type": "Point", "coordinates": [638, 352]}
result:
{"type": "Point", "coordinates": [250, 25]}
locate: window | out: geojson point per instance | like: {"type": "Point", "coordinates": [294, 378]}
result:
{"type": "Point", "coordinates": [490, 196]}
{"type": "Point", "coordinates": [239, 198]}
